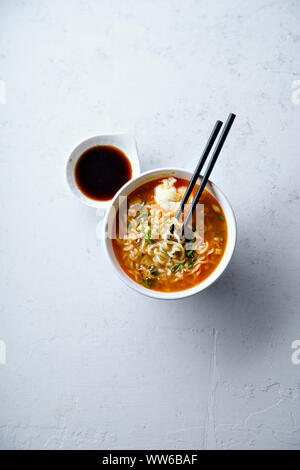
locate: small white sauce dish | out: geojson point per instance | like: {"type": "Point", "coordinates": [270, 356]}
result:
{"type": "Point", "coordinates": [124, 142]}
{"type": "Point", "coordinates": [126, 190]}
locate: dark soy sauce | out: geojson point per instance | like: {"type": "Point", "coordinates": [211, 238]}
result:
{"type": "Point", "coordinates": [101, 171]}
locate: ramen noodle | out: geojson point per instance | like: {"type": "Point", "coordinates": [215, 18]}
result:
{"type": "Point", "coordinates": [161, 261]}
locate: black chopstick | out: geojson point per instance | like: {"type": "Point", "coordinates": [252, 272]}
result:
{"type": "Point", "coordinates": [198, 169]}
{"type": "Point", "coordinates": [209, 168]}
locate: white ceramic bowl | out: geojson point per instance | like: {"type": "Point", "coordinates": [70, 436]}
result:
{"type": "Point", "coordinates": [127, 189]}
{"type": "Point", "coordinates": [124, 142]}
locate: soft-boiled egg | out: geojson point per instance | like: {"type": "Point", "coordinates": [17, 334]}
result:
{"type": "Point", "coordinates": [167, 195]}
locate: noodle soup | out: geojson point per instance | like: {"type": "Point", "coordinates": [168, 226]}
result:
{"type": "Point", "coordinates": [157, 260]}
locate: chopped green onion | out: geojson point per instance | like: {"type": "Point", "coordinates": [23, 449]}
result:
{"type": "Point", "coordinates": [154, 271]}
{"type": "Point", "coordinates": [141, 206]}
{"type": "Point", "coordinates": [191, 258]}
{"type": "Point", "coordinates": [177, 267]}
{"type": "Point", "coordinates": [221, 218]}
{"type": "Point", "coordinates": [148, 283]}
{"type": "Point", "coordinates": [144, 282]}
{"type": "Point", "coordinates": [143, 214]}
{"type": "Point", "coordinates": [148, 238]}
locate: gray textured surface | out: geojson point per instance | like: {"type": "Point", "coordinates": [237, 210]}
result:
{"type": "Point", "coordinates": [91, 364]}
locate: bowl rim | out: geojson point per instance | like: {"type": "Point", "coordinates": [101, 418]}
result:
{"type": "Point", "coordinates": [231, 227]}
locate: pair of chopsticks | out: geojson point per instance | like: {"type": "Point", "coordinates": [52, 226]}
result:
{"type": "Point", "coordinates": [208, 171]}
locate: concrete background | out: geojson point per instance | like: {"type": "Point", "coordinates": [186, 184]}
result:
{"type": "Point", "coordinates": [89, 363]}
